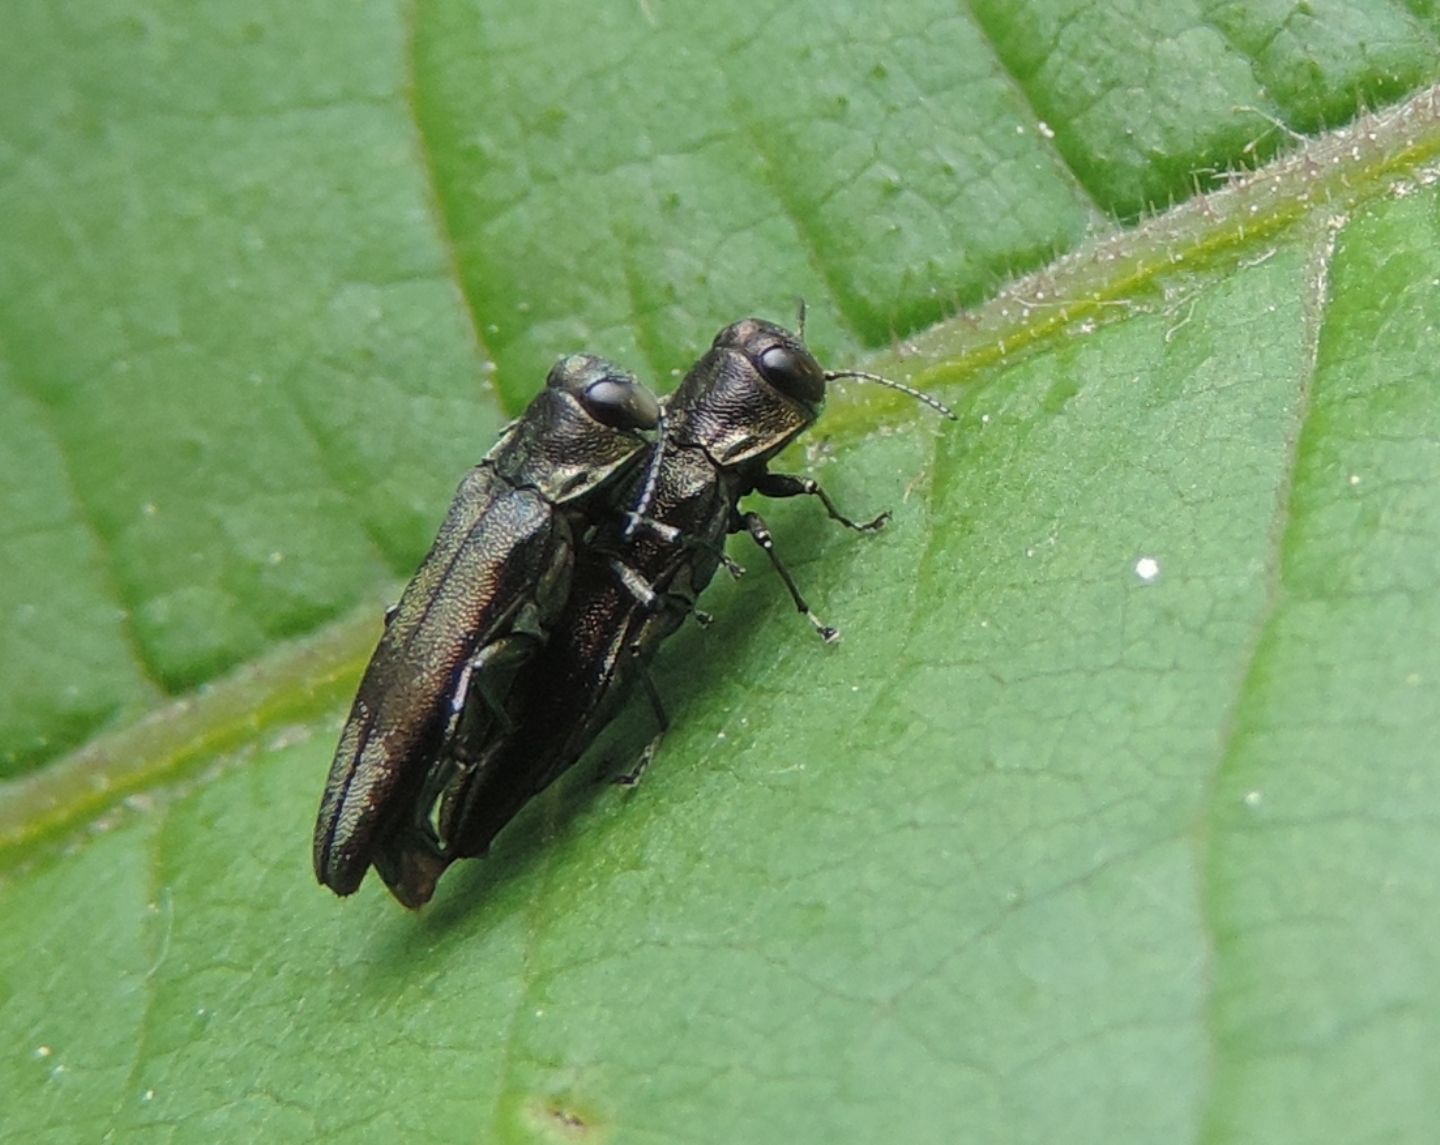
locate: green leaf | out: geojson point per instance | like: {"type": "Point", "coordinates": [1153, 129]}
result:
{"type": "Point", "coordinates": [1113, 817]}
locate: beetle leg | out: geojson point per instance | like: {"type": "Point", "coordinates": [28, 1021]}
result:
{"type": "Point", "coordinates": [784, 485]}
{"type": "Point", "coordinates": [634, 523]}
{"type": "Point", "coordinates": [482, 690]}
{"type": "Point", "coordinates": [735, 569]}
{"type": "Point", "coordinates": [458, 697]}
{"type": "Point", "coordinates": [477, 705]}
{"type": "Point", "coordinates": [636, 585]}
{"type": "Point", "coordinates": [652, 601]}
{"type": "Point", "coordinates": [632, 777]}
{"type": "Point", "coordinates": [755, 525]}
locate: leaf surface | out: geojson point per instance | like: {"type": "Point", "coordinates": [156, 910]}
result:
{"type": "Point", "coordinates": [1112, 818]}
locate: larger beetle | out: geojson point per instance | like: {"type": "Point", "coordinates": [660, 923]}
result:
{"type": "Point", "coordinates": [756, 389]}
{"type": "Point", "coordinates": [481, 604]}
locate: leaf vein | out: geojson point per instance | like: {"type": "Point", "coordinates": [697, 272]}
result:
{"type": "Point", "coordinates": [1234, 721]}
{"type": "Point", "coordinates": [1092, 199]}
{"type": "Point", "coordinates": [434, 199]}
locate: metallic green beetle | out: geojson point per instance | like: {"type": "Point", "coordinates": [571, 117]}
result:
{"type": "Point", "coordinates": [482, 603]}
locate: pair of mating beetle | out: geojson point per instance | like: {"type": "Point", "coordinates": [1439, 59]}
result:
{"type": "Point", "coordinates": [567, 557]}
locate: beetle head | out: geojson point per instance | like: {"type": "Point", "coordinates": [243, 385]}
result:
{"type": "Point", "coordinates": [753, 392]}
{"type": "Point", "coordinates": [587, 422]}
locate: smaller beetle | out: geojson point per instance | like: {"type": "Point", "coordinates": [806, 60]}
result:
{"type": "Point", "coordinates": [753, 393]}
{"type": "Point", "coordinates": [481, 604]}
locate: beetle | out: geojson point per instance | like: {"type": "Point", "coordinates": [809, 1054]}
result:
{"type": "Point", "coordinates": [482, 603]}
{"type": "Point", "coordinates": [749, 396]}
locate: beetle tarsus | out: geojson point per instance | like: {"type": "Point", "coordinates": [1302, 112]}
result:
{"type": "Point", "coordinates": [755, 525]}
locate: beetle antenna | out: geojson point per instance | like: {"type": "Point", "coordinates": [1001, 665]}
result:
{"type": "Point", "coordinates": [647, 486]}
{"type": "Point", "coordinates": [934, 403]}
{"type": "Point", "coordinates": [800, 316]}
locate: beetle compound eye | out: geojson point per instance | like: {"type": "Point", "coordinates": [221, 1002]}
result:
{"type": "Point", "coordinates": [621, 404]}
{"type": "Point", "coordinates": [793, 372]}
